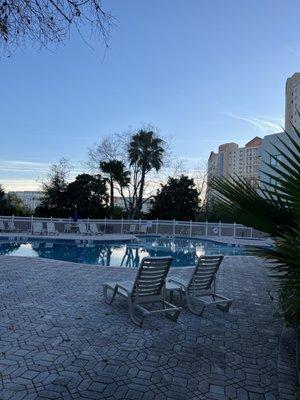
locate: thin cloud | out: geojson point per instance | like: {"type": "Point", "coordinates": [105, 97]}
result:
{"type": "Point", "coordinates": [28, 175]}
{"type": "Point", "coordinates": [262, 125]}
{"type": "Point", "coordinates": [295, 51]}
{"type": "Point", "coordinates": [18, 166]}
{"type": "Point", "coordinates": [23, 166]}
{"type": "Point", "coordinates": [20, 184]}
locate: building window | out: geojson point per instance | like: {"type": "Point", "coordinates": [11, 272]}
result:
{"type": "Point", "coordinates": [274, 159]}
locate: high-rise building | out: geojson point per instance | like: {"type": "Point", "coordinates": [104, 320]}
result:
{"type": "Point", "coordinates": [292, 102]}
{"type": "Point", "coordinates": [232, 160]}
{"type": "Point", "coordinates": [270, 154]}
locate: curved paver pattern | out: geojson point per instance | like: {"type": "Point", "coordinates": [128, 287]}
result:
{"type": "Point", "coordinates": [59, 340]}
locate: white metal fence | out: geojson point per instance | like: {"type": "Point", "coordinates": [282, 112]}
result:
{"type": "Point", "coordinates": [172, 228]}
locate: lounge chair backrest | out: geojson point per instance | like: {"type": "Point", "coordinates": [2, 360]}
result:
{"type": "Point", "coordinates": [82, 227]}
{"type": "Point", "coordinates": [11, 226]}
{"type": "Point", "coordinates": [143, 229]}
{"type": "Point", "coordinates": [2, 226]}
{"type": "Point", "coordinates": [50, 227]}
{"type": "Point", "coordinates": [93, 227]}
{"type": "Point", "coordinates": [132, 228]}
{"type": "Point", "coordinates": [151, 277]}
{"type": "Point", "coordinates": [37, 227]}
{"type": "Point", "coordinates": [204, 273]}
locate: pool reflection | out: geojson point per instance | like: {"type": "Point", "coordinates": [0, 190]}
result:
{"type": "Point", "coordinates": [183, 251]}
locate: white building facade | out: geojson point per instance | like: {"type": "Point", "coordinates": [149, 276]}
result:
{"type": "Point", "coordinates": [271, 156]}
{"type": "Point", "coordinates": [292, 102]}
{"type": "Point", "coordinates": [30, 199]}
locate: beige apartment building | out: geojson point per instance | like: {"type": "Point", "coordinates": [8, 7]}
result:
{"type": "Point", "coordinates": [251, 162]}
{"type": "Point", "coordinates": [232, 160]}
{"type": "Point", "coordinates": [292, 102]}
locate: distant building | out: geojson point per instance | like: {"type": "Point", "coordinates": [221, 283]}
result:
{"type": "Point", "coordinates": [271, 156]}
{"type": "Point", "coordinates": [232, 160]}
{"type": "Point", "coordinates": [119, 202]}
{"type": "Point", "coordinates": [292, 102]}
{"type": "Point", "coordinates": [253, 161]}
{"type": "Point", "coordinates": [30, 199]}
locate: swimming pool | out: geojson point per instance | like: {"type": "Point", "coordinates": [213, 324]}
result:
{"type": "Point", "coordinates": [128, 254]}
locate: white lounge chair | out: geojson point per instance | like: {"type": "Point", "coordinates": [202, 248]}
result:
{"type": "Point", "coordinates": [132, 229]}
{"type": "Point", "coordinates": [37, 228]}
{"type": "Point", "coordinates": [147, 288]}
{"type": "Point", "coordinates": [200, 288]}
{"type": "Point", "coordinates": [2, 226]}
{"type": "Point", "coordinates": [50, 226]}
{"type": "Point", "coordinates": [67, 228]}
{"type": "Point", "coordinates": [82, 228]}
{"type": "Point", "coordinates": [143, 229]}
{"type": "Point", "coordinates": [11, 226]}
{"type": "Point", "coordinates": [94, 229]}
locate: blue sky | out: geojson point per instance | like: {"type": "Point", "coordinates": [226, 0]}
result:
{"type": "Point", "coordinates": [203, 72]}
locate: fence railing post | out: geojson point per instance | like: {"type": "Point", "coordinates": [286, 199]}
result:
{"type": "Point", "coordinates": [174, 227]}
{"type": "Point", "coordinates": [234, 229]}
{"type": "Point", "coordinates": [105, 225]}
{"type": "Point", "coordinates": [31, 225]}
{"type": "Point", "coordinates": [191, 227]}
{"type": "Point", "coordinates": [140, 225]}
{"type": "Point", "coordinates": [206, 228]}
{"type": "Point", "coordinates": [122, 222]}
{"type": "Point", "coordinates": [251, 232]}
{"type": "Point", "coordinates": [156, 229]}
{"type": "Point", "coordinates": [220, 228]}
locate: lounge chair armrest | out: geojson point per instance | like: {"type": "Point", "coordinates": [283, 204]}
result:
{"type": "Point", "coordinates": [118, 285]}
{"type": "Point", "coordinates": [178, 281]}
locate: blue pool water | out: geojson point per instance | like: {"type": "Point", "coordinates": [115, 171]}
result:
{"type": "Point", "coordinates": [129, 254]}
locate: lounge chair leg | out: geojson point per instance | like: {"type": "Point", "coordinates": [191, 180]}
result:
{"type": "Point", "coordinates": [105, 294]}
{"type": "Point", "coordinates": [225, 307]}
{"type": "Point", "coordinates": [192, 307]}
{"type": "Point", "coordinates": [137, 321]}
{"type": "Point", "coordinates": [171, 295]}
{"type": "Point", "coordinates": [173, 315]}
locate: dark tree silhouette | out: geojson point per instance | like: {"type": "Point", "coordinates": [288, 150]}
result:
{"type": "Point", "coordinates": [88, 194]}
{"type": "Point", "coordinates": [10, 204]}
{"type": "Point", "coordinates": [49, 21]}
{"type": "Point", "coordinates": [146, 152]}
{"type": "Point", "coordinates": [177, 199]}
{"type": "Point", "coordinates": [54, 191]}
{"type": "Point", "coordinates": [116, 174]}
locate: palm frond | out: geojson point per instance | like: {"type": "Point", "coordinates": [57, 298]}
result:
{"type": "Point", "coordinates": [273, 208]}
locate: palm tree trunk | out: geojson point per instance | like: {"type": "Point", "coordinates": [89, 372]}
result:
{"type": "Point", "coordinates": [112, 205]}
{"type": "Point", "coordinates": [141, 192]}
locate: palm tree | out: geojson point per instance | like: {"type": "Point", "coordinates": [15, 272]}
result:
{"type": "Point", "coordinates": [273, 208]}
{"type": "Point", "coordinates": [146, 152]}
{"type": "Point", "coordinates": [116, 173]}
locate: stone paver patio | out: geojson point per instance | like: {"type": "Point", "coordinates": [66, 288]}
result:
{"type": "Point", "coordinates": [59, 340]}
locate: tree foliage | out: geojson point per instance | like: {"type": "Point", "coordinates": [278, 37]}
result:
{"type": "Point", "coordinates": [274, 209]}
{"type": "Point", "coordinates": [116, 175]}
{"type": "Point", "coordinates": [49, 21]}
{"type": "Point", "coordinates": [146, 152]}
{"type": "Point", "coordinates": [10, 204]}
{"type": "Point", "coordinates": [54, 191]}
{"type": "Point", "coordinates": [177, 199]}
{"type": "Point", "coordinates": [87, 193]}
{"type": "Point", "coordinates": [140, 153]}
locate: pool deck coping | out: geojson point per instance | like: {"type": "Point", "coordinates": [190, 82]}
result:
{"type": "Point", "coordinates": [115, 237]}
